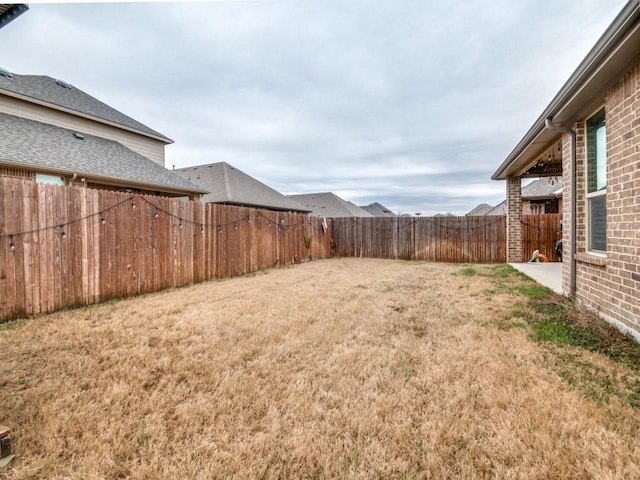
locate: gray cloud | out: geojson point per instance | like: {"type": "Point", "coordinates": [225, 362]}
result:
{"type": "Point", "coordinates": [413, 104]}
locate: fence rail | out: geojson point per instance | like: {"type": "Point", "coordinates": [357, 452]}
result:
{"type": "Point", "coordinates": [64, 246]}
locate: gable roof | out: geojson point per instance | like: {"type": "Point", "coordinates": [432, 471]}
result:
{"type": "Point", "coordinates": [226, 184]}
{"type": "Point", "coordinates": [500, 209]}
{"type": "Point", "coordinates": [51, 149]}
{"type": "Point", "coordinates": [60, 95]}
{"type": "Point", "coordinates": [613, 54]}
{"type": "Point", "coordinates": [542, 188]}
{"type": "Point", "coordinates": [330, 205]}
{"type": "Point", "coordinates": [378, 210]}
{"type": "Point", "coordinates": [481, 209]}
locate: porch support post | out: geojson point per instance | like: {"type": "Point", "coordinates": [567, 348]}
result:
{"type": "Point", "coordinates": [514, 220]}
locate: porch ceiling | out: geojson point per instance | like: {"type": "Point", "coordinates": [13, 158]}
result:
{"type": "Point", "coordinates": [547, 163]}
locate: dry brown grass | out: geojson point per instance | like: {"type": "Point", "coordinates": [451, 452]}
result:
{"type": "Point", "coordinates": [344, 368]}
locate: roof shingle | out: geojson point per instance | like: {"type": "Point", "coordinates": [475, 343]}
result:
{"type": "Point", "coordinates": [28, 143]}
{"type": "Point", "coordinates": [227, 184]}
{"type": "Point", "coordinates": [55, 93]}
{"type": "Point", "coordinates": [330, 205]}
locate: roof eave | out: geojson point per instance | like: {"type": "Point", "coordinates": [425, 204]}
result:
{"type": "Point", "coordinates": [263, 207]}
{"type": "Point", "coordinates": [113, 181]}
{"type": "Point", "coordinates": [616, 50]}
{"type": "Point", "coordinates": [161, 138]}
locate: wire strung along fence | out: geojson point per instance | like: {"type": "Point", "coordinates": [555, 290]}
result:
{"type": "Point", "coordinates": [436, 239]}
{"type": "Point", "coordinates": [540, 232]}
{"type": "Point", "coordinates": [65, 246]}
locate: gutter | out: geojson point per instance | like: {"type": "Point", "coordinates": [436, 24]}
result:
{"type": "Point", "coordinates": [113, 181]}
{"type": "Point", "coordinates": [572, 229]}
{"type": "Point", "coordinates": [597, 63]}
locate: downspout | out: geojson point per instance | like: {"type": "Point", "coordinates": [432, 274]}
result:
{"type": "Point", "coordinates": [572, 229]}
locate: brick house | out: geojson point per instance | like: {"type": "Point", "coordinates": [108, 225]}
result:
{"type": "Point", "coordinates": [590, 134]}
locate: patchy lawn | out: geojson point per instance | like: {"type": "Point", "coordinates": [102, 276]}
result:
{"type": "Point", "coordinates": [343, 368]}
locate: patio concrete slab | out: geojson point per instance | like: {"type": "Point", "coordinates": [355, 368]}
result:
{"type": "Point", "coordinates": [547, 274]}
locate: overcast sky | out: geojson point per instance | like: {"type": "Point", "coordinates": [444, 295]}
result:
{"type": "Point", "coordinates": [413, 104]}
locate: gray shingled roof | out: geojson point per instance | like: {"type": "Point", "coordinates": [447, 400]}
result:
{"type": "Point", "coordinates": [229, 185]}
{"type": "Point", "coordinates": [500, 209]}
{"type": "Point", "coordinates": [56, 94]}
{"type": "Point", "coordinates": [538, 189]}
{"type": "Point", "coordinates": [378, 210]}
{"type": "Point", "coordinates": [330, 205]}
{"type": "Point", "coordinates": [481, 209]}
{"type": "Point", "coordinates": [50, 149]}
{"type": "Point", "coordinates": [543, 188]}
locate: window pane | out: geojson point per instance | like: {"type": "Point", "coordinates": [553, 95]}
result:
{"type": "Point", "coordinates": [596, 153]}
{"type": "Point", "coordinates": [601, 158]}
{"type": "Point", "coordinates": [598, 223]}
{"type": "Point", "coordinates": [53, 179]}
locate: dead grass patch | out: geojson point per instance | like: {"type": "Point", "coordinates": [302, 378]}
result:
{"type": "Point", "coordinates": [345, 368]}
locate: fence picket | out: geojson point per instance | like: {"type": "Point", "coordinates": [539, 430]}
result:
{"type": "Point", "coordinates": [144, 249]}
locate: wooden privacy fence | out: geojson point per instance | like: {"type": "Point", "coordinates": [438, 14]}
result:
{"type": "Point", "coordinates": [64, 246]}
{"type": "Point", "coordinates": [443, 239]}
{"type": "Point", "coordinates": [540, 232]}
{"type": "Point", "coordinates": [436, 239]}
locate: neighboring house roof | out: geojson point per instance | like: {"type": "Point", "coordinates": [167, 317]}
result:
{"type": "Point", "coordinates": [378, 210]}
{"type": "Point", "coordinates": [536, 190]}
{"type": "Point", "coordinates": [60, 95]}
{"type": "Point", "coordinates": [613, 54]}
{"type": "Point", "coordinates": [481, 209]}
{"type": "Point", "coordinates": [330, 205]}
{"type": "Point", "coordinates": [542, 188]}
{"type": "Point", "coordinates": [500, 209]}
{"type": "Point", "coordinates": [10, 11]}
{"type": "Point", "coordinates": [51, 149]}
{"type": "Point", "coordinates": [226, 184]}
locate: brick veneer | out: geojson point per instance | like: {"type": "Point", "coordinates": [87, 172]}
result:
{"type": "Point", "coordinates": [611, 285]}
{"type": "Point", "coordinates": [514, 219]}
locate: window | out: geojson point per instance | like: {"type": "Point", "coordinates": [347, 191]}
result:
{"type": "Point", "coordinates": [53, 179]}
{"type": "Point", "coordinates": [597, 182]}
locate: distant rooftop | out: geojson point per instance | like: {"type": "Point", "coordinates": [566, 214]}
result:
{"type": "Point", "coordinates": [378, 210]}
{"type": "Point", "coordinates": [481, 209]}
{"type": "Point", "coordinates": [330, 205]}
{"type": "Point", "coordinates": [550, 187]}
{"type": "Point", "coordinates": [226, 184]}
{"type": "Point", "coordinates": [543, 188]}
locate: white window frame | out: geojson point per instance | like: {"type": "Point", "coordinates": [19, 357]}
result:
{"type": "Point", "coordinates": [597, 193]}
{"type": "Point", "coordinates": [51, 179]}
